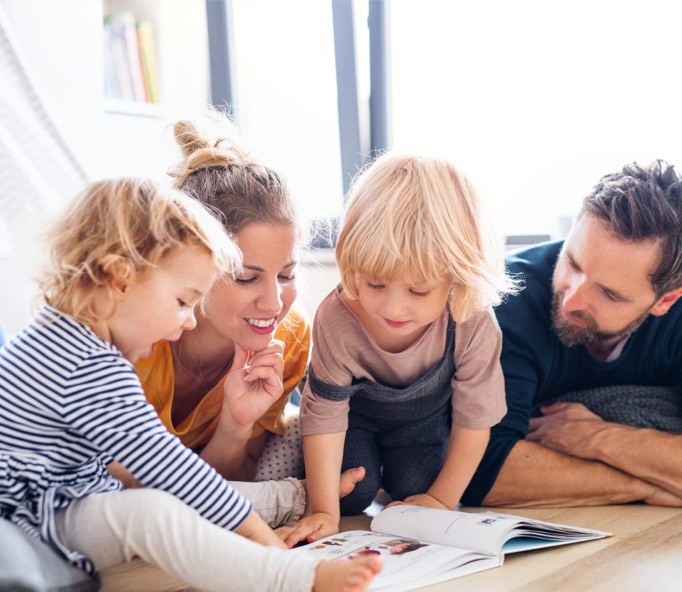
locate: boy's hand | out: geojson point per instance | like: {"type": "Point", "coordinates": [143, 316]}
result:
{"type": "Point", "coordinates": [310, 529]}
{"type": "Point", "coordinates": [421, 499]}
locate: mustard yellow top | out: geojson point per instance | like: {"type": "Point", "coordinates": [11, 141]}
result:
{"type": "Point", "coordinates": [195, 431]}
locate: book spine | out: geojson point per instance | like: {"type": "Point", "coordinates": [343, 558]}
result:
{"type": "Point", "coordinates": [148, 60]}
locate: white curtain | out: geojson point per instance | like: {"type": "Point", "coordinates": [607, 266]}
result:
{"type": "Point", "coordinates": [38, 171]}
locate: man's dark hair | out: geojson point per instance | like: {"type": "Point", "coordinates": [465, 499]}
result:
{"type": "Point", "coordinates": [644, 203]}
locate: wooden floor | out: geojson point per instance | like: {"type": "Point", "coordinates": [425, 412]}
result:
{"type": "Point", "coordinates": [645, 554]}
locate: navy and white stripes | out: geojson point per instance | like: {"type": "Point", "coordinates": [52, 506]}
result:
{"type": "Point", "coordinates": [69, 403]}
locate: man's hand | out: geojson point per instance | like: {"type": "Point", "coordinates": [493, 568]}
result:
{"type": "Point", "coordinates": [310, 529]}
{"type": "Point", "coordinates": [570, 428]}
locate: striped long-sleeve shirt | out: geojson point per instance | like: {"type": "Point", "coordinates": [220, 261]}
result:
{"type": "Point", "coordinates": [69, 404]}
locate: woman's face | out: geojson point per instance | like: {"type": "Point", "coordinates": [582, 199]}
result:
{"type": "Point", "coordinates": [247, 311]}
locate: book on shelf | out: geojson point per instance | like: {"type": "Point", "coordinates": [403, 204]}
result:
{"type": "Point", "coordinates": [150, 70]}
{"type": "Point", "coordinates": [130, 70]}
{"type": "Point", "coordinates": [423, 546]}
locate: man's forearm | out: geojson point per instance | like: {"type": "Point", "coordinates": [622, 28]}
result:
{"type": "Point", "coordinates": [650, 455]}
{"type": "Point", "coordinates": [534, 475]}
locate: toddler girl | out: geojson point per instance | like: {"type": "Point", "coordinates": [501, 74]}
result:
{"type": "Point", "coordinates": [130, 262]}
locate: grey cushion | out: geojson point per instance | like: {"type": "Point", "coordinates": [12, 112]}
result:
{"type": "Point", "coordinates": [29, 565]}
{"type": "Point", "coordinates": [656, 407]}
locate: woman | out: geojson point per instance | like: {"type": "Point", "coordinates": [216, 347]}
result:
{"type": "Point", "coordinates": [246, 327]}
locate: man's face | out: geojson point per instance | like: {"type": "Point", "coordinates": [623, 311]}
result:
{"type": "Point", "coordinates": [601, 285]}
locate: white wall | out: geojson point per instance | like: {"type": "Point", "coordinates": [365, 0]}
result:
{"type": "Point", "coordinates": [61, 45]}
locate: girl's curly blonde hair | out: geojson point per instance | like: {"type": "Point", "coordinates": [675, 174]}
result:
{"type": "Point", "coordinates": [121, 228]}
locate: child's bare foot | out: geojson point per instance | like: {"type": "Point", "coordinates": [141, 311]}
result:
{"type": "Point", "coordinates": [347, 482]}
{"type": "Point", "coordinates": [346, 575]}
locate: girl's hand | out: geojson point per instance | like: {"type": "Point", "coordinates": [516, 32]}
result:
{"type": "Point", "coordinates": [255, 529]}
{"type": "Point", "coordinates": [253, 384]}
{"type": "Point", "coordinates": [310, 529]}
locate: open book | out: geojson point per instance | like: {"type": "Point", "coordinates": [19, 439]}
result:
{"type": "Point", "coordinates": [422, 546]}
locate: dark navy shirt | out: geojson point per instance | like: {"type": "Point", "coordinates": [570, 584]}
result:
{"type": "Point", "coordinates": [538, 368]}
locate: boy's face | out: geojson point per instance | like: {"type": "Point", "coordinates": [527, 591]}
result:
{"type": "Point", "coordinates": [160, 305]}
{"type": "Point", "coordinates": [397, 313]}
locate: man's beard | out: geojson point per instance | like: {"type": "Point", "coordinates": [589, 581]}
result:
{"type": "Point", "coordinates": [570, 334]}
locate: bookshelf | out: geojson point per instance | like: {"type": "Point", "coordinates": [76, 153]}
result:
{"type": "Point", "coordinates": [130, 60]}
{"type": "Point", "coordinates": [135, 122]}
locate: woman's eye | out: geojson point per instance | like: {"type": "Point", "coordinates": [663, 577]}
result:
{"type": "Point", "coordinates": [244, 281]}
{"type": "Point", "coordinates": [286, 278]}
{"type": "Point", "coordinates": [182, 303]}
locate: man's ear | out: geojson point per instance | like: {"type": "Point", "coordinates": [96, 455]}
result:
{"type": "Point", "coordinates": [664, 303]}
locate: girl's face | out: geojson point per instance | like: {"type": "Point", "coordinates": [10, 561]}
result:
{"type": "Point", "coordinates": [160, 304]}
{"type": "Point", "coordinates": [400, 311]}
{"type": "Point", "coordinates": [247, 311]}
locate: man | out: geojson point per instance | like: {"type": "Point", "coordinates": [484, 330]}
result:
{"type": "Point", "coordinates": [600, 310]}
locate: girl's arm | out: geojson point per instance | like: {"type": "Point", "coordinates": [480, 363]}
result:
{"type": "Point", "coordinates": [465, 450]}
{"type": "Point", "coordinates": [323, 454]}
{"type": "Point", "coordinates": [255, 529]}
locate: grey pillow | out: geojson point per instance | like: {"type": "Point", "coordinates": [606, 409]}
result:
{"type": "Point", "coordinates": [656, 407]}
{"type": "Point", "coordinates": [29, 565]}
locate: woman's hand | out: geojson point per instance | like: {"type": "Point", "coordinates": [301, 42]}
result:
{"type": "Point", "coordinates": [253, 384]}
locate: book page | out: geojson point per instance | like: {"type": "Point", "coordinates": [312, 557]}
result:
{"type": "Point", "coordinates": [485, 532]}
{"type": "Point", "coordinates": [408, 563]}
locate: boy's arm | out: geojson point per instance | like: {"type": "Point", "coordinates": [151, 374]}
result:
{"type": "Point", "coordinates": [465, 450]}
{"type": "Point", "coordinates": [323, 454]}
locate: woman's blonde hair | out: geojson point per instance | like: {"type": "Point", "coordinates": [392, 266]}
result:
{"type": "Point", "coordinates": [420, 216]}
{"type": "Point", "coordinates": [217, 171]}
{"type": "Point", "coordinates": [121, 228]}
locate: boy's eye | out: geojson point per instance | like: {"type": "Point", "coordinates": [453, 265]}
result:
{"type": "Point", "coordinates": [417, 293]}
{"type": "Point", "coordinates": [374, 286]}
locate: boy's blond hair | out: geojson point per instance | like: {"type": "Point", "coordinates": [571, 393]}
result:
{"type": "Point", "coordinates": [121, 228]}
{"type": "Point", "coordinates": [419, 217]}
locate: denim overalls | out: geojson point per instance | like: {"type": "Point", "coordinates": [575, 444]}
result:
{"type": "Point", "coordinates": [400, 435]}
